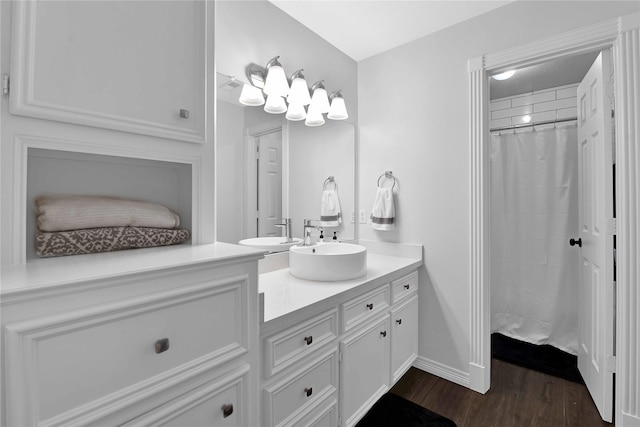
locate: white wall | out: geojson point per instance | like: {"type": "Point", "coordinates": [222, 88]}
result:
{"type": "Point", "coordinates": [413, 106]}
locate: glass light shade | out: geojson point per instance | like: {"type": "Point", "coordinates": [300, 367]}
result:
{"type": "Point", "coordinates": [275, 105]}
{"type": "Point", "coordinates": [251, 96]}
{"type": "Point", "coordinates": [338, 110]}
{"type": "Point", "coordinates": [299, 93]}
{"type": "Point", "coordinates": [296, 112]}
{"type": "Point", "coordinates": [505, 75]}
{"type": "Point", "coordinates": [314, 118]}
{"type": "Point", "coordinates": [320, 100]}
{"type": "Point", "coordinates": [276, 83]}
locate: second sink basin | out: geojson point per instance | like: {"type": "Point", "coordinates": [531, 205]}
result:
{"type": "Point", "coordinates": [328, 262]}
{"type": "Point", "coordinates": [271, 244]}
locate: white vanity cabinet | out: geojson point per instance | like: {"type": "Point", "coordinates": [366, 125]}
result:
{"type": "Point", "coordinates": [380, 347]}
{"type": "Point", "coordinates": [132, 66]}
{"type": "Point", "coordinates": [301, 372]}
{"type": "Point", "coordinates": [159, 337]}
{"type": "Point", "coordinates": [328, 367]}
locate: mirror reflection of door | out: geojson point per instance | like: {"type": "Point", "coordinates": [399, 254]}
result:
{"type": "Point", "coordinates": [269, 183]}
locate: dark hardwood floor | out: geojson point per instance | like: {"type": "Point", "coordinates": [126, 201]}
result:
{"type": "Point", "coordinates": [518, 397]}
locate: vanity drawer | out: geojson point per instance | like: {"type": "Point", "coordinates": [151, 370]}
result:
{"type": "Point", "coordinates": [293, 344]}
{"type": "Point", "coordinates": [287, 400]}
{"type": "Point", "coordinates": [404, 287]}
{"type": "Point", "coordinates": [364, 307]}
{"type": "Point", "coordinates": [218, 402]}
{"type": "Point", "coordinates": [88, 357]}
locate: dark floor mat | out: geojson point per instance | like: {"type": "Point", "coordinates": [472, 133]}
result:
{"type": "Point", "coordinates": [543, 358]}
{"type": "Point", "coordinates": [394, 411]}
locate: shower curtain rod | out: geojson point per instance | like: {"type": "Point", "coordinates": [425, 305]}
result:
{"type": "Point", "coordinates": [546, 122]}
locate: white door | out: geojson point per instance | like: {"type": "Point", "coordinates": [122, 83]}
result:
{"type": "Point", "coordinates": [596, 290]}
{"type": "Point", "coordinates": [269, 183]}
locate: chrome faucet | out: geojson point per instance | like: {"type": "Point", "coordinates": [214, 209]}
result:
{"type": "Point", "coordinates": [286, 230]}
{"type": "Point", "coordinates": [306, 230]}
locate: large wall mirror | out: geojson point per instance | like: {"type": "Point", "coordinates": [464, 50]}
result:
{"type": "Point", "coordinates": [268, 168]}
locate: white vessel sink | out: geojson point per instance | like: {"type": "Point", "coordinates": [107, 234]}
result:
{"type": "Point", "coordinates": [271, 244]}
{"type": "Point", "coordinates": [328, 262]}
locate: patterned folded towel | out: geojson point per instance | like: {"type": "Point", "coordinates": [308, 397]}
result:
{"type": "Point", "coordinates": [107, 239]}
{"type": "Point", "coordinates": [62, 213]}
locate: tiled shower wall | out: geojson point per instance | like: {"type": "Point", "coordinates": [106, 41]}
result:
{"type": "Point", "coordinates": [548, 104]}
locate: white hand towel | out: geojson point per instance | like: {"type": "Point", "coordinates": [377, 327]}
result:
{"type": "Point", "coordinates": [383, 212]}
{"type": "Point", "coordinates": [330, 215]}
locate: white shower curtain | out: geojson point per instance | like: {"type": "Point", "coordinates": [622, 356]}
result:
{"type": "Point", "coordinates": [534, 212]}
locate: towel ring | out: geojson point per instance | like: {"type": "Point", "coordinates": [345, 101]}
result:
{"type": "Point", "coordinates": [388, 175]}
{"type": "Point", "coordinates": [328, 181]}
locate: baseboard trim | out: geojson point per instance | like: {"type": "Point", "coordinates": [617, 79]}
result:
{"type": "Point", "coordinates": [443, 371]}
{"type": "Point", "coordinates": [628, 420]}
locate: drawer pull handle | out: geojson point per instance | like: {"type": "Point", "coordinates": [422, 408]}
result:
{"type": "Point", "coordinates": [162, 345]}
{"type": "Point", "coordinates": [399, 321]}
{"type": "Point", "coordinates": [383, 333]}
{"type": "Point", "coordinates": [407, 286]}
{"type": "Point", "coordinates": [227, 410]}
{"type": "Point", "coordinates": [309, 339]}
{"type": "Point", "coordinates": [184, 113]}
{"type": "Point", "coordinates": [370, 306]}
{"type": "Point", "coordinates": [308, 391]}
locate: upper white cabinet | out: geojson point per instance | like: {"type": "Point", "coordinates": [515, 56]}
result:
{"type": "Point", "coordinates": [132, 66]}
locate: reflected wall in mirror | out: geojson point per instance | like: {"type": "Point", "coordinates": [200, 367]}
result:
{"type": "Point", "coordinates": [268, 168]}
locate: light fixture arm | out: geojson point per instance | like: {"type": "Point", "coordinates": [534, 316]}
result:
{"type": "Point", "coordinates": [318, 85]}
{"type": "Point", "coordinates": [273, 62]}
{"type": "Point", "coordinates": [335, 94]}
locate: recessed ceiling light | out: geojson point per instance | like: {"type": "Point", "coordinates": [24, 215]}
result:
{"type": "Point", "coordinates": [505, 75]}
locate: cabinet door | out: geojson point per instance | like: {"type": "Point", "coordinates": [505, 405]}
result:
{"type": "Point", "coordinates": [132, 66]}
{"type": "Point", "coordinates": [364, 372]}
{"type": "Point", "coordinates": [404, 337]}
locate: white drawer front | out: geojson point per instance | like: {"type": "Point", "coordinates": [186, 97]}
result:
{"type": "Point", "coordinates": [287, 399]}
{"type": "Point", "coordinates": [215, 403]}
{"type": "Point", "coordinates": [325, 415]}
{"type": "Point", "coordinates": [70, 361]}
{"type": "Point", "coordinates": [293, 344]}
{"type": "Point", "coordinates": [404, 287]}
{"type": "Point", "coordinates": [364, 307]}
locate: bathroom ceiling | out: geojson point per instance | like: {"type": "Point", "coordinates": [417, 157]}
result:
{"type": "Point", "coordinates": [363, 28]}
{"type": "Point", "coordinates": [558, 72]}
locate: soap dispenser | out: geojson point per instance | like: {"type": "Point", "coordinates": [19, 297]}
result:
{"type": "Point", "coordinates": [335, 237]}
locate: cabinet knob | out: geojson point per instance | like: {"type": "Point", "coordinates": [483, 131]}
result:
{"type": "Point", "coordinates": [227, 410]}
{"type": "Point", "coordinates": [308, 391]}
{"type": "Point", "coordinates": [370, 306]}
{"type": "Point", "coordinates": [162, 345]}
{"type": "Point", "coordinates": [309, 339]}
{"type": "Point", "coordinates": [184, 113]}
{"type": "Point", "coordinates": [383, 333]}
{"type": "Point", "coordinates": [407, 286]}
{"type": "Point", "coordinates": [399, 321]}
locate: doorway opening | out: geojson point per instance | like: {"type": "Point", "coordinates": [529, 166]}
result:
{"type": "Point", "coordinates": [535, 205]}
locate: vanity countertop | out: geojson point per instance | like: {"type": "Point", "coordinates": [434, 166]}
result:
{"type": "Point", "coordinates": [285, 294]}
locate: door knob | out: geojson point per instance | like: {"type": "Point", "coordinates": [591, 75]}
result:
{"type": "Point", "coordinates": [574, 242]}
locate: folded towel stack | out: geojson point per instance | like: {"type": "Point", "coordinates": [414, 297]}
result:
{"type": "Point", "coordinates": [71, 225]}
{"type": "Point", "coordinates": [383, 212]}
{"type": "Point", "coordinates": [330, 214]}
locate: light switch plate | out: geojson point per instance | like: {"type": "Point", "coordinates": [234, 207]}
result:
{"type": "Point", "coordinates": [363, 216]}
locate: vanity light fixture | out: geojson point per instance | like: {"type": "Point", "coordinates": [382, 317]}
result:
{"type": "Point", "coordinates": [319, 99]}
{"type": "Point", "coordinates": [251, 96]}
{"type": "Point", "coordinates": [299, 93]}
{"type": "Point", "coordinates": [275, 104]}
{"type": "Point", "coordinates": [314, 117]}
{"type": "Point", "coordinates": [296, 112]}
{"type": "Point", "coordinates": [276, 82]}
{"type": "Point", "coordinates": [271, 81]}
{"type": "Point", "coordinates": [338, 109]}
{"type": "Point", "coordinates": [505, 75]}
